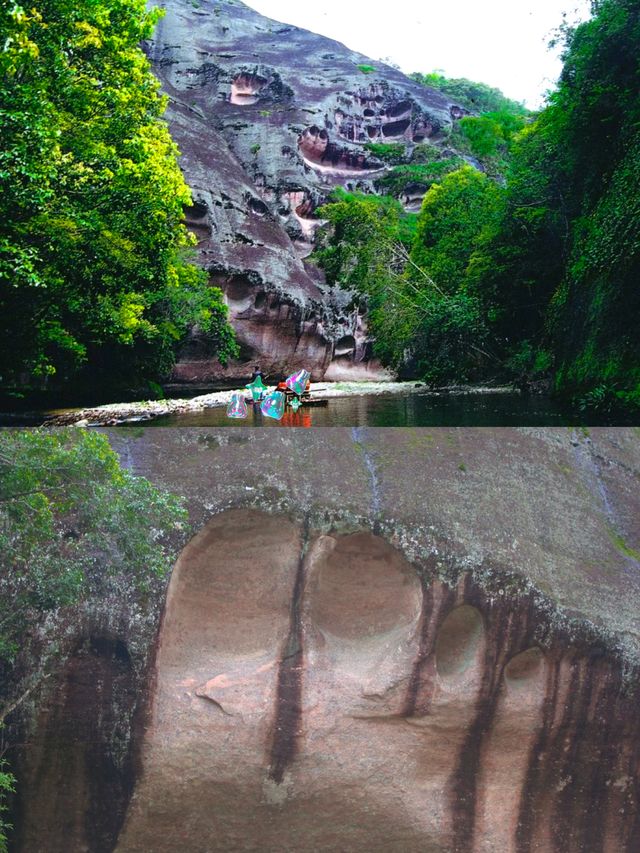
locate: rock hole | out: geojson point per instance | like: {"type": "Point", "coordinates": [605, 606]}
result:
{"type": "Point", "coordinates": [230, 591]}
{"type": "Point", "coordinates": [459, 641]}
{"type": "Point", "coordinates": [395, 128]}
{"type": "Point", "coordinates": [363, 588]}
{"type": "Point", "coordinates": [400, 109]}
{"type": "Point", "coordinates": [258, 207]}
{"type": "Point", "coordinates": [345, 345]}
{"type": "Point", "coordinates": [238, 289]}
{"type": "Point", "coordinates": [318, 151]}
{"type": "Point", "coordinates": [107, 647]}
{"type": "Point", "coordinates": [198, 210]}
{"type": "Point", "coordinates": [246, 88]}
{"type": "Point", "coordinates": [524, 668]}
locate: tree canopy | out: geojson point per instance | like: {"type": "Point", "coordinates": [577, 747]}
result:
{"type": "Point", "coordinates": [477, 97]}
{"type": "Point", "coordinates": [534, 265]}
{"type": "Point", "coordinates": [95, 272]}
{"type": "Point", "coordinates": [69, 516]}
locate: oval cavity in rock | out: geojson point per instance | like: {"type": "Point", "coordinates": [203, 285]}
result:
{"type": "Point", "coordinates": [363, 588]}
{"type": "Point", "coordinates": [459, 641]}
{"type": "Point", "coordinates": [524, 668]}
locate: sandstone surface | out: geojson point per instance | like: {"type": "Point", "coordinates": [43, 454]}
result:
{"type": "Point", "coordinates": [378, 640]}
{"type": "Point", "coordinates": [269, 119]}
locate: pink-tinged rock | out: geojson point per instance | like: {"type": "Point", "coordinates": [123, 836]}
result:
{"type": "Point", "coordinates": [269, 119]}
{"type": "Point", "coordinates": [314, 694]}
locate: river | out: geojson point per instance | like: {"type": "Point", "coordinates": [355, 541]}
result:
{"type": "Point", "coordinates": [415, 410]}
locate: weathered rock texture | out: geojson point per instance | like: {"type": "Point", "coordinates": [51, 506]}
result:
{"type": "Point", "coordinates": [269, 118]}
{"type": "Point", "coordinates": [379, 640]}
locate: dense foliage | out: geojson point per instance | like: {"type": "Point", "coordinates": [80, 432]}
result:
{"type": "Point", "coordinates": [564, 266]}
{"type": "Point", "coordinates": [69, 513]}
{"type": "Point", "coordinates": [419, 174]}
{"type": "Point", "coordinates": [411, 271]}
{"type": "Point", "coordinates": [389, 152]}
{"type": "Point", "coordinates": [488, 132]}
{"type": "Point", "coordinates": [7, 782]}
{"type": "Point", "coordinates": [94, 258]}
{"type": "Point", "coordinates": [476, 97]}
{"type": "Point", "coordinates": [530, 270]}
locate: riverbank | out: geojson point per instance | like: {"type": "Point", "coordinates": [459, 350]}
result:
{"type": "Point", "coordinates": [118, 413]}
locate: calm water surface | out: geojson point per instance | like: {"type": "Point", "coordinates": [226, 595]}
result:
{"type": "Point", "coordinates": [417, 410]}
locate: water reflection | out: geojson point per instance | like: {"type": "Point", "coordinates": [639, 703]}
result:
{"type": "Point", "coordinates": [414, 410]}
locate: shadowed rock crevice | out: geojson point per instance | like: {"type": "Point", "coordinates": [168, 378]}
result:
{"type": "Point", "coordinates": [288, 712]}
{"type": "Point", "coordinates": [421, 683]}
{"type": "Point", "coordinates": [77, 772]}
{"type": "Point", "coordinates": [589, 784]}
{"type": "Point", "coordinates": [507, 634]}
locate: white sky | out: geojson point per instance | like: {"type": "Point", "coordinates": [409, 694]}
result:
{"type": "Point", "coordinates": [499, 42]}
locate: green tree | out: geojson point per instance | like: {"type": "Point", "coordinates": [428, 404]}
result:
{"type": "Point", "coordinates": [487, 134]}
{"type": "Point", "coordinates": [561, 270]}
{"type": "Point", "coordinates": [518, 258]}
{"type": "Point", "coordinates": [595, 311]}
{"type": "Point", "coordinates": [416, 176]}
{"type": "Point", "coordinates": [357, 251]}
{"type": "Point", "coordinates": [94, 258]}
{"type": "Point", "coordinates": [70, 515]}
{"type": "Point", "coordinates": [7, 786]}
{"type": "Point", "coordinates": [432, 325]}
{"type": "Point", "coordinates": [453, 216]}
{"type": "Point", "coordinates": [423, 321]}
{"type": "Point", "coordinates": [364, 248]}
{"type": "Point", "coordinates": [477, 97]}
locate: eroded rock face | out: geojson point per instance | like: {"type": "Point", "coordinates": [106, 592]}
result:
{"type": "Point", "coordinates": [269, 119]}
{"type": "Point", "coordinates": [379, 640]}
{"type": "Point", "coordinates": [314, 693]}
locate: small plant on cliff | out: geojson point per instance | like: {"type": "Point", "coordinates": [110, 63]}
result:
{"type": "Point", "coordinates": [387, 151]}
{"type": "Point", "coordinates": [255, 148]}
{"type": "Point", "coordinates": [477, 97]}
{"type": "Point", "coordinates": [416, 175]}
{"type": "Point", "coordinates": [367, 69]}
{"type": "Point", "coordinates": [7, 786]}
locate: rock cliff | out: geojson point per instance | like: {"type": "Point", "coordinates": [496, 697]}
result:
{"type": "Point", "coordinates": [270, 118]}
{"type": "Point", "coordinates": [436, 648]}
